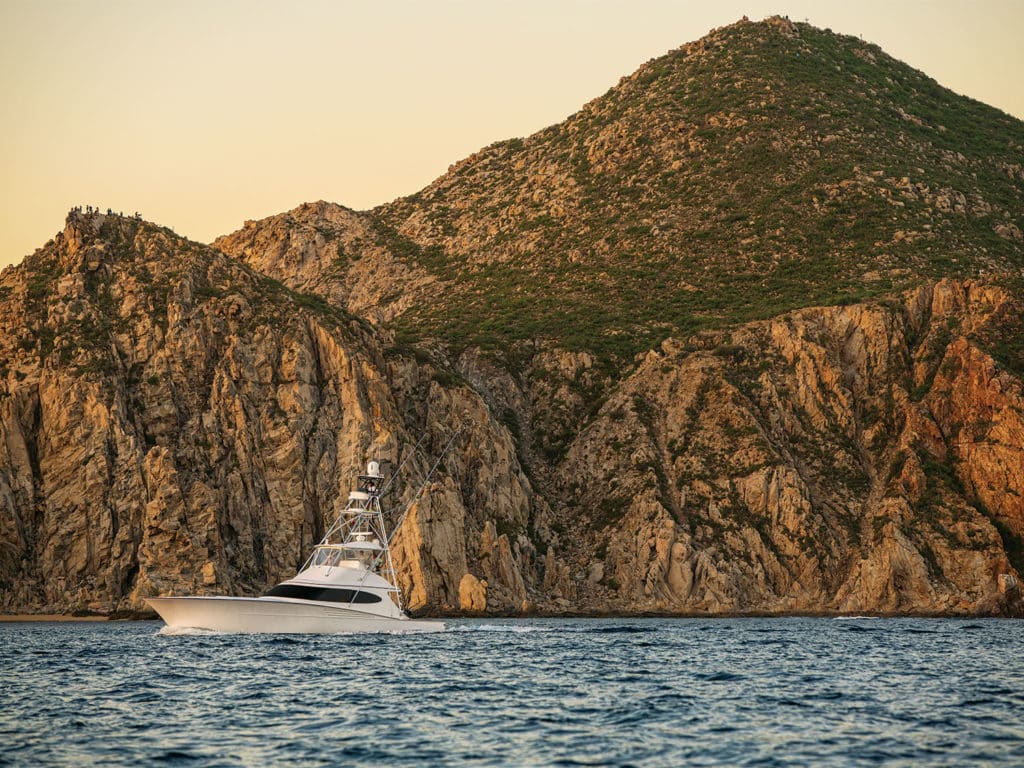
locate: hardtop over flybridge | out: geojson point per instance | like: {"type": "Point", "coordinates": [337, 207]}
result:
{"type": "Point", "coordinates": [346, 585]}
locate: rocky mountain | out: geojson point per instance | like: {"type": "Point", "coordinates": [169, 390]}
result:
{"type": "Point", "coordinates": [172, 420]}
{"type": "Point", "coordinates": [742, 335]}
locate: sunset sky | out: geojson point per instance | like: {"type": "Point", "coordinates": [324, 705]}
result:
{"type": "Point", "coordinates": [203, 113]}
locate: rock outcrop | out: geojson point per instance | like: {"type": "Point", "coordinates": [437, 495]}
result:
{"type": "Point", "coordinates": [346, 256]}
{"type": "Point", "coordinates": [861, 458]}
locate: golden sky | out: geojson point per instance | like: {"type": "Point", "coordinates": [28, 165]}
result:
{"type": "Point", "coordinates": [203, 113]}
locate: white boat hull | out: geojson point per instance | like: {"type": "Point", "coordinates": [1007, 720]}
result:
{"type": "Point", "coordinates": [257, 615]}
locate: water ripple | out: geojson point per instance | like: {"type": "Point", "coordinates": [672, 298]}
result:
{"type": "Point", "coordinates": [756, 692]}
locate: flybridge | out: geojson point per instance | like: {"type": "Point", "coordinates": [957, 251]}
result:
{"type": "Point", "coordinates": [362, 542]}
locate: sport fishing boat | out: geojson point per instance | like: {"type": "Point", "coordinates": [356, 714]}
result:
{"type": "Point", "coordinates": [346, 585]}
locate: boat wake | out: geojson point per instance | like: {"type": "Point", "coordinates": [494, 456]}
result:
{"type": "Point", "coordinates": [187, 632]}
{"type": "Point", "coordinates": [516, 628]}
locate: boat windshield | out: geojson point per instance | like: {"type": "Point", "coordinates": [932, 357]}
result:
{"type": "Point", "coordinates": [332, 557]}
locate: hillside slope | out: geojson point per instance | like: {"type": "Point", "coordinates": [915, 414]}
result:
{"type": "Point", "coordinates": [766, 167]}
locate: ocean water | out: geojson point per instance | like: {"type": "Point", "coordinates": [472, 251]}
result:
{"type": "Point", "coordinates": [793, 691]}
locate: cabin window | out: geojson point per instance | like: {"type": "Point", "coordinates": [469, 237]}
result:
{"type": "Point", "coordinates": [323, 594]}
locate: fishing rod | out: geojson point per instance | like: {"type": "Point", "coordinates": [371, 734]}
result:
{"type": "Point", "coordinates": [386, 550]}
{"type": "Point", "coordinates": [423, 485]}
{"type": "Point", "coordinates": [406, 459]}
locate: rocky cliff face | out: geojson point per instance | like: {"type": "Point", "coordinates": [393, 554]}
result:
{"type": "Point", "coordinates": [174, 422]}
{"type": "Point", "coordinates": [862, 458]}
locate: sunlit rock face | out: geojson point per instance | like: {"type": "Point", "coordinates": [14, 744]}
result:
{"type": "Point", "coordinates": [860, 458]}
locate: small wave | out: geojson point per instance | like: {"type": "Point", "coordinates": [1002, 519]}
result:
{"type": "Point", "coordinates": [825, 695]}
{"type": "Point", "coordinates": [997, 690]}
{"type": "Point", "coordinates": [186, 631]}
{"type": "Point", "coordinates": [857, 628]}
{"type": "Point", "coordinates": [587, 630]}
{"type": "Point", "coordinates": [793, 703]}
{"type": "Point", "coordinates": [175, 756]}
{"type": "Point", "coordinates": [719, 677]}
{"type": "Point", "coordinates": [978, 702]}
{"type": "Point", "coordinates": [499, 628]}
{"type": "Point", "coordinates": [622, 630]}
{"type": "Point", "coordinates": [855, 618]}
